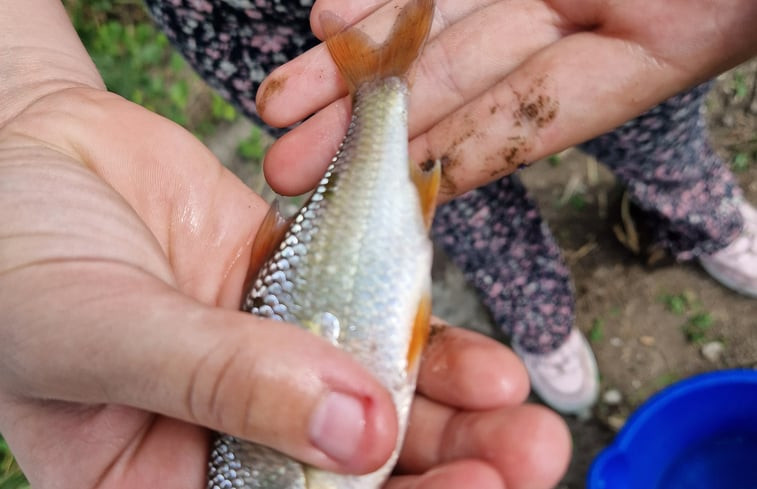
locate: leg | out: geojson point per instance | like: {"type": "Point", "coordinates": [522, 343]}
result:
{"type": "Point", "coordinates": [233, 45]}
{"type": "Point", "coordinates": [497, 237]}
{"type": "Point", "coordinates": [687, 193]}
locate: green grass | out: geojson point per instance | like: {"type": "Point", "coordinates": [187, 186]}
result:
{"type": "Point", "coordinates": [251, 148]}
{"type": "Point", "coordinates": [697, 327]}
{"type": "Point", "coordinates": [741, 162]}
{"type": "Point", "coordinates": [681, 303]}
{"type": "Point", "coordinates": [577, 201]}
{"type": "Point", "coordinates": [137, 62]}
{"type": "Point", "coordinates": [666, 379]}
{"type": "Point", "coordinates": [11, 476]}
{"type": "Point", "coordinates": [740, 87]}
{"type": "Point", "coordinates": [675, 303]}
{"type": "Point", "coordinates": [596, 333]}
{"type": "Point", "coordinates": [698, 322]}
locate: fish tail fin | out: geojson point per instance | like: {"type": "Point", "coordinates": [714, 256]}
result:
{"type": "Point", "coordinates": [360, 59]}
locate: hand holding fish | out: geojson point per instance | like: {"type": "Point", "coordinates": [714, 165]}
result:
{"type": "Point", "coordinates": [124, 249]}
{"type": "Point", "coordinates": [123, 252]}
{"type": "Point", "coordinates": [503, 83]}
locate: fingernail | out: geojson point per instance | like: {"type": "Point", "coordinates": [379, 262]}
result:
{"type": "Point", "coordinates": [337, 426]}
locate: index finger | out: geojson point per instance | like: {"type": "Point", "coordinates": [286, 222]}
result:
{"type": "Point", "coordinates": [467, 370]}
{"type": "Point", "coordinates": [528, 445]}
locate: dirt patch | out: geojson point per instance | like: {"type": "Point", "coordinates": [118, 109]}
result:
{"type": "Point", "coordinates": [272, 87]}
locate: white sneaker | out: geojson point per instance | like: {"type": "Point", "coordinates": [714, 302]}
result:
{"type": "Point", "coordinates": [566, 379]}
{"type": "Point", "coordinates": [736, 265]}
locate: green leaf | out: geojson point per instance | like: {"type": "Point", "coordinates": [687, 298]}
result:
{"type": "Point", "coordinates": [251, 148]}
{"type": "Point", "coordinates": [701, 320]}
{"type": "Point", "coordinates": [696, 327]}
{"type": "Point", "coordinates": [577, 201]}
{"type": "Point", "coordinates": [179, 93]}
{"type": "Point", "coordinates": [221, 109]}
{"type": "Point", "coordinates": [740, 85]}
{"type": "Point", "coordinates": [740, 162]}
{"type": "Point", "coordinates": [150, 54]}
{"type": "Point", "coordinates": [11, 476]}
{"type": "Point", "coordinates": [596, 333]}
{"type": "Point", "coordinates": [677, 304]}
{"type": "Point", "coordinates": [177, 63]}
{"type": "Point", "coordinates": [13, 480]}
{"type": "Point", "coordinates": [138, 96]}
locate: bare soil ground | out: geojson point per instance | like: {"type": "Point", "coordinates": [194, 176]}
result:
{"type": "Point", "coordinates": [649, 325]}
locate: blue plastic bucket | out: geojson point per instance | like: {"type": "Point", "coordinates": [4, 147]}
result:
{"type": "Point", "coordinates": [700, 433]}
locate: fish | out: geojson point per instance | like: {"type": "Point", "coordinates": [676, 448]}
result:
{"type": "Point", "coordinates": [353, 265]}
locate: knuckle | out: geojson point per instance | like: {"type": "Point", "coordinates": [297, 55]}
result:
{"type": "Point", "coordinates": [216, 393]}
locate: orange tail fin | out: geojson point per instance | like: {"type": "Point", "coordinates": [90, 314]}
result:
{"type": "Point", "coordinates": [360, 59]}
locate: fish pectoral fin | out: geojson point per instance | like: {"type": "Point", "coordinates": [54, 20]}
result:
{"type": "Point", "coordinates": [420, 331]}
{"type": "Point", "coordinates": [272, 230]}
{"type": "Point", "coordinates": [360, 59]}
{"type": "Point", "coordinates": [427, 182]}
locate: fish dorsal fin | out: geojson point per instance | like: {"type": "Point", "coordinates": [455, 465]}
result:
{"type": "Point", "coordinates": [360, 59]}
{"type": "Point", "coordinates": [427, 183]}
{"type": "Point", "coordinates": [272, 230]}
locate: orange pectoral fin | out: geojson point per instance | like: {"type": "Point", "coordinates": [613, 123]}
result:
{"type": "Point", "coordinates": [427, 182]}
{"type": "Point", "coordinates": [268, 237]}
{"type": "Point", "coordinates": [420, 331]}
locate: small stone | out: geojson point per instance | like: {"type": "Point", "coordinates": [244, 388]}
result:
{"type": "Point", "coordinates": [616, 342]}
{"type": "Point", "coordinates": [616, 422]}
{"type": "Point", "coordinates": [753, 106]}
{"type": "Point", "coordinates": [647, 340]}
{"type": "Point", "coordinates": [689, 296]}
{"type": "Point", "coordinates": [713, 351]}
{"type": "Point", "coordinates": [612, 397]}
{"type": "Point", "coordinates": [636, 384]}
{"type": "Point", "coordinates": [584, 415]}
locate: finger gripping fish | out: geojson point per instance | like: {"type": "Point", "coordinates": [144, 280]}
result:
{"type": "Point", "coordinates": [353, 265]}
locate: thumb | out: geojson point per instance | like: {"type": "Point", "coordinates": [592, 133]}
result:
{"type": "Point", "coordinates": [138, 342]}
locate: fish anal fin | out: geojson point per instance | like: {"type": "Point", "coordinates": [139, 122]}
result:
{"type": "Point", "coordinates": [427, 183]}
{"type": "Point", "coordinates": [361, 60]}
{"type": "Point", "coordinates": [420, 331]}
{"type": "Point", "coordinates": [272, 230]}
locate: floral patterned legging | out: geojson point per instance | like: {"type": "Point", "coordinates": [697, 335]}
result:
{"type": "Point", "coordinates": [495, 233]}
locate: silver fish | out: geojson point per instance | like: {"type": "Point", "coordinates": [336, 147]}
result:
{"type": "Point", "coordinates": [353, 265]}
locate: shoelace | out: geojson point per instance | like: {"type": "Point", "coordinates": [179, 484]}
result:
{"type": "Point", "coordinates": [559, 361]}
